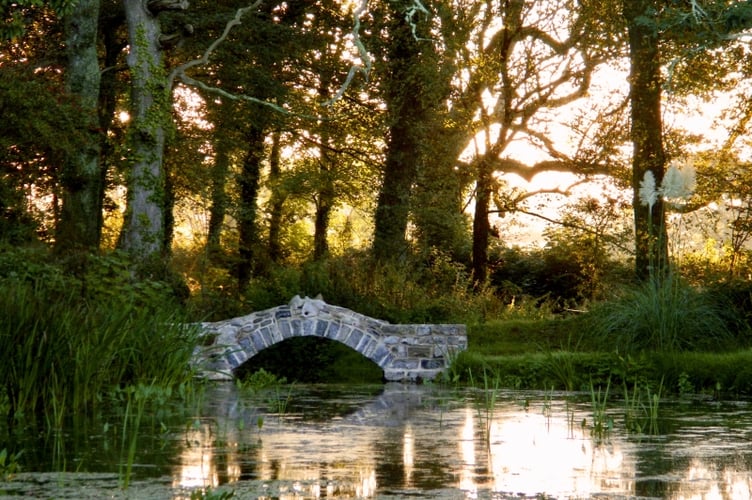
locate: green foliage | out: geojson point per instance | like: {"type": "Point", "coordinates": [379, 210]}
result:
{"type": "Point", "coordinates": [660, 315]}
{"type": "Point", "coordinates": [209, 494]}
{"type": "Point", "coordinates": [8, 464]}
{"type": "Point", "coordinates": [564, 274]}
{"type": "Point", "coordinates": [261, 379]}
{"type": "Point", "coordinates": [419, 291]}
{"type": "Point", "coordinates": [37, 130]}
{"type": "Point", "coordinates": [67, 339]}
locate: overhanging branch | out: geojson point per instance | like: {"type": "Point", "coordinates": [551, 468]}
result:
{"type": "Point", "coordinates": [204, 59]}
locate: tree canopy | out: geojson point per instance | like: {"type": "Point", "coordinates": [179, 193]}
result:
{"type": "Point", "coordinates": [279, 132]}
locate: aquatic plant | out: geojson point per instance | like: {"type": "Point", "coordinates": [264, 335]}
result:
{"type": "Point", "coordinates": [602, 422]}
{"type": "Point", "coordinates": [8, 464]}
{"type": "Point", "coordinates": [209, 494]}
{"type": "Point", "coordinates": [639, 416]}
{"type": "Point", "coordinates": [62, 354]}
{"type": "Point", "coordinates": [485, 403]}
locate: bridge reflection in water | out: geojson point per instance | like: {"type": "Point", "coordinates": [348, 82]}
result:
{"type": "Point", "coordinates": [407, 440]}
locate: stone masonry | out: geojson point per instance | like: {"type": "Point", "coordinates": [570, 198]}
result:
{"type": "Point", "coordinates": [404, 352]}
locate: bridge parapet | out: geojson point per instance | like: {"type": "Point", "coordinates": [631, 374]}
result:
{"type": "Point", "coordinates": [405, 352]}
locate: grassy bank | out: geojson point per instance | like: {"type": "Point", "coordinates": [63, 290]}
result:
{"type": "Point", "coordinates": [558, 354]}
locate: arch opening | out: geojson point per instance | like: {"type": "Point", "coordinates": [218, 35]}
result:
{"type": "Point", "coordinates": [312, 359]}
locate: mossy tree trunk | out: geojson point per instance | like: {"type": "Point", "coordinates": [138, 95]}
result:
{"type": "Point", "coordinates": [143, 233]}
{"type": "Point", "coordinates": [406, 112]}
{"type": "Point", "coordinates": [248, 181]}
{"type": "Point", "coordinates": [219, 198]}
{"type": "Point", "coordinates": [325, 186]}
{"type": "Point", "coordinates": [79, 224]}
{"type": "Point", "coordinates": [278, 196]}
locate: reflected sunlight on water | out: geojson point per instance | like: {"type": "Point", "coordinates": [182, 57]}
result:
{"type": "Point", "coordinates": [398, 445]}
{"type": "Point", "coordinates": [519, 451]}
{"type": "Point", "coordinates": [401, 441]}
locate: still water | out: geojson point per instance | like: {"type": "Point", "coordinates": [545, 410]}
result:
{"type": "Point", "coordinates": [400, 441]}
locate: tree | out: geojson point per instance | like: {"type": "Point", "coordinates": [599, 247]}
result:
{"type": "Point", "coordinates": [651, 250]}
{"type": "Point", "coordinates": [407, 93]}
{"type": "Point", "coordinates": [79, 224]}
{"type": "Point", "coordinates": [540, 59]}
{"type": "Point", "coordinates": [143, 230]}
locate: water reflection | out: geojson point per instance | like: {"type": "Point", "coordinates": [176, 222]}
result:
{"type": "Point", "coordinates": [402, 440]}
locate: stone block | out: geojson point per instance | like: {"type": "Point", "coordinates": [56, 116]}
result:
{"type": "Point", "coordinates": [308, 327]}
{"type": "Point", "coordinates": [285, 330]}
{"type": "Point", "coordinates": [419, 351]}
{"type": "Point", "coordinates": [258, 343]}
{"type": "Point", "coordinates": [296, 327]}
{"type": "Point", "coordinates": [247, 345]}
{"type": "Point", "coordinates": [406, 364]}
{"type": "Point", "coordinates": [332, 331]}
{"type": "Point", "coordinates": [282, 312]}
{"type": "Point", "coordinates": [354, 338]}
{"type": "Point", "coordinates": [381, 356]}
{"type": "Point", "coordinates": [432, 364]}
{"type": "Point", "coordinates": [423, 330]}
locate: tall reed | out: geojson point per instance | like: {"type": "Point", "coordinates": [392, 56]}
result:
{"type": "Point", "coordinates": [62, 353]}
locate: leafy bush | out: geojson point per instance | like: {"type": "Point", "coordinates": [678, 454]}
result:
{"type": "Point", "coordinates": [557, 275]}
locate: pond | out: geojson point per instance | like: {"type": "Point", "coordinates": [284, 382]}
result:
{"type": "Point", "coordinates": [400, 441]}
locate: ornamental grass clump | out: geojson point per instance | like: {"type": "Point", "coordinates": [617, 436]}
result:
{"type": "Point", "coordinates": [661, 315]}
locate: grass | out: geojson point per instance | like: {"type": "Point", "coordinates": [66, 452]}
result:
{"type": "Point", "coordinates": [62, 354]}
{"type": "Point", "coordinates": [661, 315]}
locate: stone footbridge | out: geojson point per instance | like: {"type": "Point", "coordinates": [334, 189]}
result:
{"type": "Point", "coordinates": [404, 352]}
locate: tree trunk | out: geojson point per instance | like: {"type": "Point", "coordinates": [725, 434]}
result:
{"type": "Point", "coordinates": [393, 206]}
{"type": "Point", "coordinates": [249, 186]}
{"type": "Point", "coordinates": [143, 232]}
{"type": "Point", "coordinates": [481, 225]}
{"type": "Point", "coordinates": [400, 169]}
{"type": "Point", "coordinates": [218, 195]}
{"type": "Point", "coordinates": [81, 205]}
{"type": "Point", "coordinates": [651, 248]}
{"type": "Point", "coordinates": [277, 199]}
{"type": "Point", "coordinates": [325, 194]}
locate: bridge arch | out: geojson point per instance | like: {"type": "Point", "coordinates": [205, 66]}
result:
{"type": "Point", "coordinates": [403, 352]}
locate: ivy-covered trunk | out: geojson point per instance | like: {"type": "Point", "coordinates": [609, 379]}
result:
{"type": "Point", "coordinates": [651, 249]}
{"type": "Point", "coordinates": [325, 187]}
{"type": "Point", "coordinates": [278, 196]}
{"type": "Point", "coordinates": [143, 229]}
{"type": "Point", "coordinates": [79, 219]}
{"type": "Point", "coordinates": [218, 208]}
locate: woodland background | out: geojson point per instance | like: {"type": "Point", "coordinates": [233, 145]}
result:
{"type": "Point", "coordinates": [374, 151]}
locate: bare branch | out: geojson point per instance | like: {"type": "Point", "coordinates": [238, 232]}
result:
{"type": "Point", "coordinates": [204, 59]}
{"type": "Point", "coordinates": [527, 172]}
{"type": "Point", "coordinates": [362, 53]}
{"type": "Point", "coordinates": [242, 97]}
